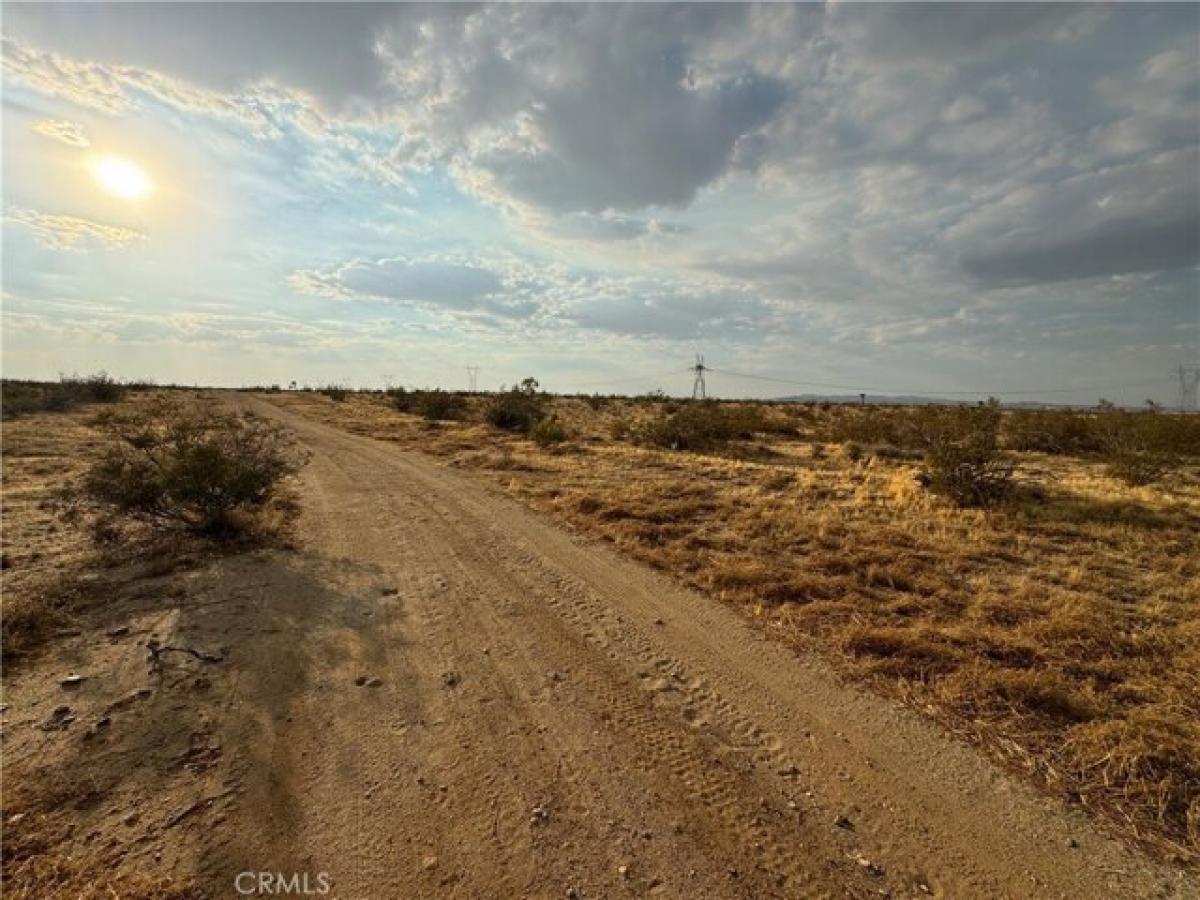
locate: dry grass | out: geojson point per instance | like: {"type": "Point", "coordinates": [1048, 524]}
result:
{"type": "Point", "coordinates": [35, 866]}
{"type": "Point", "coordinates": [1060, 630]}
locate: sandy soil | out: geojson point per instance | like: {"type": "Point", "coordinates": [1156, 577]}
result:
{"type": "Point", "coordinates": [439, 694]}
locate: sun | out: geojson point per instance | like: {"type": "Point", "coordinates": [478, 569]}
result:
{"type": "Point", "coordinates": [120, 177]}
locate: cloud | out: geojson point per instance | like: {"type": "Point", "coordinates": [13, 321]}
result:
{"type": "Point", "coordinates": [322, 49]}
{"type": "Point", "coordinates": [439, 283]}
{"type": "Point", "coordinates": [581, 108]}
{"type": "Point", "coordinates": [1139, 217]}
{"type": "Point", "coordinates": [67, 132]}
{"type": "Point", "coordinates": [951, 180]}
{"type": "Point", "coordinates": [266, 110]}
{"type": "Point", "coordinates": [941, 32]}
{"type": "Point", "coordinates": [69, 232]}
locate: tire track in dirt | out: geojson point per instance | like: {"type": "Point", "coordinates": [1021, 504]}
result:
{"type": "Point", "coordinates": [607, 732]}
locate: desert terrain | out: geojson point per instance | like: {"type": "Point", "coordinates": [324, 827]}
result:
{"type": "Point", "coordinates": [479, 665]}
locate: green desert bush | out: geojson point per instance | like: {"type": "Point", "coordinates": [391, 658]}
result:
{"type": "Point", "coordinates": [187, 464]}
{"type": "Point", "coordinates": [438, 405]}
{"type": "Point", "coordinates": [548, 431]}
{"type": "Point", "coordinates": [963, 458]}
{"type": "Point", "coordinates": [518, 409]}
{"type": "Point", "coordinates": [19, 397]}
{"type": "Point", "coordinates": [700, 426]}
{"type": "Point", "coordinates": [336, 392]}
{"type": "Point", "coordinates": [1052, 431]}
{"type": "Point", "coordinates": [1143, 448]}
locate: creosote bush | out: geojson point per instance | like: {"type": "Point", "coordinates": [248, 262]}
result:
{"type": "Point", "coordinates": [24, 397]}
{"type": "Point", "coordinates": [1143, 448]}
{"type": "Point", "coordinates": [336, 392]}
{"type": "Point", "coordinates": [518, 409]}
{"type": "Point", "coordinates": [189, 465]}
{"type": "Point", "coordinates": [963, 459]}
{"type": "Point", "coordinates": [548, 431]}
{"type": "Point", "coordinates": [700, 426]}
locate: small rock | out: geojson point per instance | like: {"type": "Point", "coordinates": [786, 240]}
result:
{"type": "Point", "coordinates": [843, 822]}
{"type": "Point", "coordinates": [390, 591]}
{"type": "Point", "coordinates": [374, 682]}
{"type": "Point", "coordinates": [59, 719]}
{"type": "Point", "coordinates": [1073, 844]}
{"type": "Point", "coordinates": [789, 771]}
{"type": "Point", "coordinates": [101, 725]}
{"type": "Point", "coordinates": [573, 894]}
{"type": "Point", "coordinates": [429, 862]}
{"type": "Point", "coordinates": [72, 681]}
{"type": "Point", "coordinates": [873, 870]}
{"type": "Point", "coordinates": [451, 679]}
{"type": "Point", "coordinates": [360, 680]}
{"type": "Point", "coordinates": [659, 622]}
{"type": "Point", "coordinates": [130, 819]}
{"type": "Point", "coordinates": [792, 804]}
{"type": "Point", "coordinates": [623, 871]}
{"type": "Point", "coordinates": [118, 632]}
{"type": "Point", "coordinates": [15, 818]}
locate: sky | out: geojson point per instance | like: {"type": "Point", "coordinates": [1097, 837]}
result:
{"type": "Point", "coordinates": [993, 198]}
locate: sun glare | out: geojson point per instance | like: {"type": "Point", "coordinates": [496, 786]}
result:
{"type": "Point", "coordinates": [120, 177]}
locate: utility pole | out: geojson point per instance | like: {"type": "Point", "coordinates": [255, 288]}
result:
{"type": "Point", "coordinates": [1189, 387]}
{"type": "Point", "coordinates": [698, 383]}
{"type": "Point", "coordinates": [473, 378]}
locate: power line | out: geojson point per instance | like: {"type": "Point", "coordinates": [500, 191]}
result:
{"type": "Point", "coordinates": [629, 380]}
{"type": "Point", "coordinates": [473, 378]}
{"type": "Point", "coordinates": [858, 388]}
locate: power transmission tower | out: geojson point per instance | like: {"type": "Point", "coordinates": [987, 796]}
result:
{"type": "Point", "coordinates": [1189, 387]}
{"type": "Point", "coordinates": [473, 378]}
{"type": "Point", "coordinates": [698, 384]}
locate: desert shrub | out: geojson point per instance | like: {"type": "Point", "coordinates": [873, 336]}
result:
{"type": "Point", "coordinates": [963, 459]}
{"type": "Point", "coordinates": [548, 431]}
{"type": "Point", "coordinates": [1142, 448]}
{"type": "Point", "coordinates": [868, 425]}
{"type": "Point", "coordinates": [1052, 431]}
{"type": "Point", "coordinates": [619, 429]}
{"type": "Point", "coordinates": [700, 426]}
{"type": "Point", "coordinates": [853, 451]}
{"type": "Point", "coordinates": [402, 399]}
{"type": "Point", "coordinates": [437, 405]}
{"type": "Point", "coordinates": [336, 392]}
{"type": "Point", "coordinates": [186, 464]}
{"type": "Point", "coordinates": [25, 397]}
{"type": "Point", "coordinates": [518, 409]}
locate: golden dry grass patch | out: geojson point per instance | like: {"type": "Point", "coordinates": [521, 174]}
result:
{"type": "Point", "coordinates": [1060, 630]}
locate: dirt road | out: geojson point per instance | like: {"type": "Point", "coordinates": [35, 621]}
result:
{"type": "Point", "coordinates": [551, 720]}
{"type": "Point", "coordinates": [441, 695]}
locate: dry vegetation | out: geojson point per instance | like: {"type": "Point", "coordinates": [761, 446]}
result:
{"type": "Point", "coordinates": [1057, 623]}
{"type": "Point", "coordinates": [102, 503]}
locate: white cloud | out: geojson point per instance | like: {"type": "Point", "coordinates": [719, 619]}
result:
{"type": "Point", "coordinates": [71, 233]}
{"type": "Point", "coordinates": [67, 132]}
